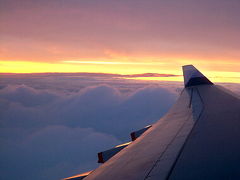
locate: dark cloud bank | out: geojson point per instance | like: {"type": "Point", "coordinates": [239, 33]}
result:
{"type": "Point", "coordinates": [52, 127]}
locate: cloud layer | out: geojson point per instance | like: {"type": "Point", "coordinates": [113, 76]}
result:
{"type": "Point", "coordinates": [53, 125]}
{"type": "Point", "coordinates": [47, 133]}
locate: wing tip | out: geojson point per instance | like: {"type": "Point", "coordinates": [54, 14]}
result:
{"type": "Point", "coordinates": [193, 77]}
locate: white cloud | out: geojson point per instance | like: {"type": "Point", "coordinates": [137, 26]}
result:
{"type": "Point", "coordinates": [53, 126]}
{"type": "Point", "coordinates": [51, 134]}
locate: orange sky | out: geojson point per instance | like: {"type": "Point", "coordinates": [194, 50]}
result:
{"type": "Point", "coordinates": [121, 37]}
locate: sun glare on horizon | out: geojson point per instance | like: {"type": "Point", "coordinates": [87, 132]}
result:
{"type": "Point", "coordinates": [125, 68]}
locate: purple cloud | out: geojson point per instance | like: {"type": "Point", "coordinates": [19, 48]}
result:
{"type": "Point", "coordinates": [47, 133]}
{"type": "Point", "coordinates": [52, 126]}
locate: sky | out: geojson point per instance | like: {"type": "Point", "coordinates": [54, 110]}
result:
{"type": "Point", "coordinates": [121, 37]}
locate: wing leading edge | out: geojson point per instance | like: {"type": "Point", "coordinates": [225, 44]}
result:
{"type": "Point", "coordinates": [196, 139]}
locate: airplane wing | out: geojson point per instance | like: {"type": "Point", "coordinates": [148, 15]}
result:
{"type": "Point", "coordinates": [197, 139]}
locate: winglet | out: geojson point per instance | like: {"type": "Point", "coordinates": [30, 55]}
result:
{"type": "Point", "coordinates": [193, 77]}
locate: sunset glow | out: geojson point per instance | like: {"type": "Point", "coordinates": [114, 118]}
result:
{"type": "Point", "coordinates": [115, 68]}
{"type": "Point", "coordinates": [121, 37]}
